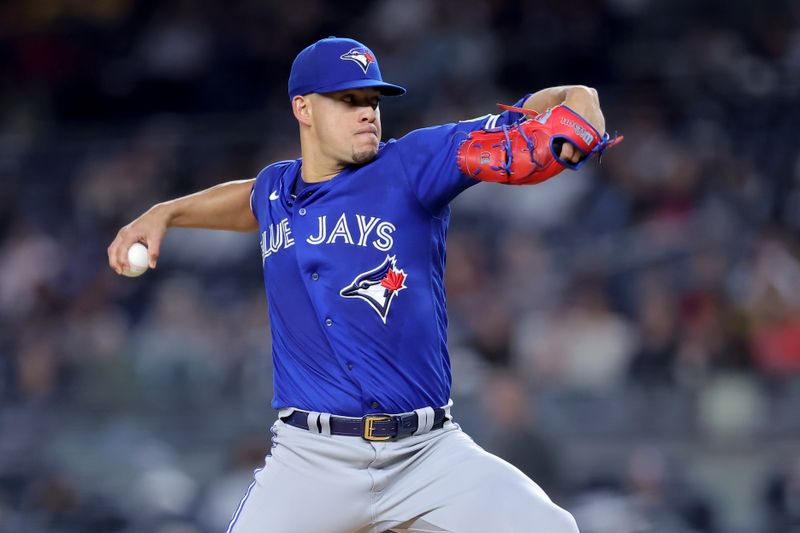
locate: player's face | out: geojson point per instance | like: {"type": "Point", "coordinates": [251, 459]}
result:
{"type": "Point", "coordinates": [348, 124]}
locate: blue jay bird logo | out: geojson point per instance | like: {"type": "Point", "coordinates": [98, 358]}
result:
{"type": "Point", "coordinates": [378, 286]}
{"type": "Point", "coordinates": [362, 56]}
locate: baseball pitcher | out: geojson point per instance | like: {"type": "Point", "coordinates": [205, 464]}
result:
{"type": "Point", "coordinates": [352, 238]}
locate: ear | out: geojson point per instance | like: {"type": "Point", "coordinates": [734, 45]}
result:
{"type": "Point", "coordinates": [301, 107]}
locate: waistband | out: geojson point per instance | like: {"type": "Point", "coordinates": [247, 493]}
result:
{"type": "Point", "coordinates": [372, 427]}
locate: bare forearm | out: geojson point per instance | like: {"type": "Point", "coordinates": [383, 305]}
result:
{"type": "Point", "coordinates": [223, 207]}
{"type": "Point", "coordinates": [581, 99]}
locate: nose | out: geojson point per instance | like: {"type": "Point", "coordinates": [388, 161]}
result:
{"type": "Point", "coordinates": [367, 114]}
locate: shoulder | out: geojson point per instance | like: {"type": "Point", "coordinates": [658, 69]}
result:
{"type": "Point", "coordinates": [271, 176]}
{"type": "Point", "coordinates": [448, 131]}
{"type": "Point", "coordinates": [277, 169]}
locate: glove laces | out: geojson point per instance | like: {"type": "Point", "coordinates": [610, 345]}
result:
{"type": "Point", "coordinates": [505, 166]}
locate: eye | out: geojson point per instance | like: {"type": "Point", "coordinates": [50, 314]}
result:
{"type": "Point", "coordinates": [364, 285]}
{"type": "Point", "coordinates": [347, 99]}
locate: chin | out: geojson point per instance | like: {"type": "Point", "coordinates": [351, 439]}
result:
{"type": "Point", "coordinates": [364, 156]}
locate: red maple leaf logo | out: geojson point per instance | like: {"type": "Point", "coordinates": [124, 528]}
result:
{"type": "Point", "coordinates": [369, 56]}
{"type": "Point", "coordinates": [394, 280]}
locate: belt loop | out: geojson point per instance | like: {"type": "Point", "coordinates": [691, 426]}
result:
{"type": "Point", "coordinates": [312, 419]}
{"type": "Point", "coordinates": [424, 420]}
{"type": "Point", "coordinates": [447, 416]}
{"type": "Point", "coordinates": [284, 413]}
{"type": "Point", "coordinates": [325, 422]}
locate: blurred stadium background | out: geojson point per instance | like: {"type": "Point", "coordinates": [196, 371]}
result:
{"type": "Point", "coordinates": [628, 335]}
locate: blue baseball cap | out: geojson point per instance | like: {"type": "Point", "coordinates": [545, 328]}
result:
{"type": "Point", "coordinates": [335, 64]}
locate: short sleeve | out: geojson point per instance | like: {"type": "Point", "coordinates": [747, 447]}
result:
{"type": "Point", "coordinates": [253, 195]}
{"type": "Point", "coordinates": [266, 184]}
{"type": "Point", "coordinates": [428, 157]}
{"type": "Point", "coordinates": [258, 192]}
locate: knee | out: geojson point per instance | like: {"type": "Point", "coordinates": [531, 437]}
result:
{"type": "Point", "coordinates": [552, 519]}
{"type": "Point", "coordinates": [563, 522]}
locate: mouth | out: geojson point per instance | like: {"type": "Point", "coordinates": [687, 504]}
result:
{"type": "Point", "coordinates": [372, 130]}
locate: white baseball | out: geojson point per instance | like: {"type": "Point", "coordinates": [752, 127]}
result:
{"type": "Point", "coordinates": [138, 260]}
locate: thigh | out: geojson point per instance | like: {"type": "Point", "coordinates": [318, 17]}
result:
{"type": "Point", "coordinates": [457, 486]}
{"type": "Point", "coordinates": [309, 484]}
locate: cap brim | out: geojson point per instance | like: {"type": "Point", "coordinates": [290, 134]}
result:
{"type": "Point", "coordinates": [386, 89]}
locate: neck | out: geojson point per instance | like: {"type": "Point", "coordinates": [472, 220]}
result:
{"type": "Point", "coordinates": [318, 167]}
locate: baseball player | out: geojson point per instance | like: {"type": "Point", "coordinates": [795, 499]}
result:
{"type": "Point", "coordinates": [352, 241]}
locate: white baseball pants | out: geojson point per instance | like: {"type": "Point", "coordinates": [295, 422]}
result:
{"type": "Point", "coordinates": [435, 482]}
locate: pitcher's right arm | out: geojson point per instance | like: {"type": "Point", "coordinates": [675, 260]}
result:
{"type": "Point", "coordinates": [223, 207]}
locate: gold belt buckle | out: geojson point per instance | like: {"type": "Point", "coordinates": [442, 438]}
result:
{"type": "Point", "coordinates": [368, 423]}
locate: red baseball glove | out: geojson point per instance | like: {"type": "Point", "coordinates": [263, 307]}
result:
{"type": "Point", "coordinates": [529, 151]}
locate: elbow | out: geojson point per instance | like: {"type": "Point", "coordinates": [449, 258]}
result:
{"type": "Point", "coordinates": [585, 91]}
{"type": "Point", "coordinates": [595, 96]}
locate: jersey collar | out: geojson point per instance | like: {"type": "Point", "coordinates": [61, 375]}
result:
{"type": "Point", "coordinates": [292, 174]}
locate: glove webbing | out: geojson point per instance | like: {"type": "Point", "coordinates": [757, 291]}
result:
{"type": "Point", "coordinates": [605, 143]}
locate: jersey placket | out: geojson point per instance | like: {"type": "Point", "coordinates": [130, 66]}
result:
{"type": "Point", "coordinates": [316, 283]}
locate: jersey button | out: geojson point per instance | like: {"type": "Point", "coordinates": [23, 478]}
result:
{"type": "Point", "coordinates": [349, 366]}
{"type": "Point", "coordinates": [375, 405]}
{"type": "Point", "coordinates": [328, 322]}
{"type": "Point", "coordinates": [315, 276]}
{"type": "Point", "coordinates": [301, 211]}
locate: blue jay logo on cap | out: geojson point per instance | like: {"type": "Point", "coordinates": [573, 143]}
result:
{"type": "Point", "coordinates": [361, 56]}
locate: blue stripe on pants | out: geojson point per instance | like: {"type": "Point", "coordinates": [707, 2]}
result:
{"type": "Point", "coordinates": [241, 503]}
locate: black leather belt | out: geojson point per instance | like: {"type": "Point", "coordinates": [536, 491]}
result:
{"type": "Point", "coordinates": [370, 427]}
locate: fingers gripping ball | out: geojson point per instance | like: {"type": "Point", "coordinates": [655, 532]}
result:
{"type": "Point", "coordinates": [528, 151]}
{"type": "Point", "coordinates": [138, 260]}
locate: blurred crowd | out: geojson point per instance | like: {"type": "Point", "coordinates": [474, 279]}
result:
{"type": "Point", "coordinates": [628, 335]}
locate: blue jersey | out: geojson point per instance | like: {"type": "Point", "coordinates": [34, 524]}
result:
{"type": "Point", "coordinates": [354, 275]}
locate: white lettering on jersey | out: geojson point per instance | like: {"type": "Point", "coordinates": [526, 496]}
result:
{"type": "Point", "coordinates": [365, 228]}
{"type": "Point", "coordinates": [385, 242]}
{"type": "Point", "coordinates": [341, 230]}
{"type": "Point", "coordinates": [275, 238]}
{"type": "Point", "coordinates": [320, 238]}
{"type": "Point", "coordinates": [287, 233]}
{"type": "Point", "coordinates": [280, 237]}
